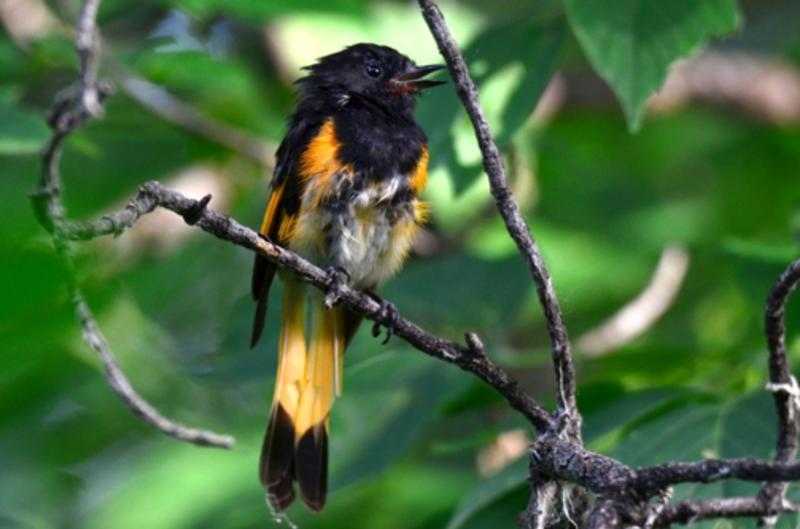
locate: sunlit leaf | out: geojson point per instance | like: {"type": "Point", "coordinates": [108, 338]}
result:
{"type": "Point", "coordinates": [632, 43]}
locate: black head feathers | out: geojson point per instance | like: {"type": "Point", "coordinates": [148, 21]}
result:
{"type": "Point", "coordinates": [366, 74]}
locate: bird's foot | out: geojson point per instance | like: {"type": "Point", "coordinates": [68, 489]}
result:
{"type": "Point", "coordinates": [388, 314]}
{"type": "Point", "coordinates": [337, 280]}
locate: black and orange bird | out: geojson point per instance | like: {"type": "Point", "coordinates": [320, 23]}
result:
{"type": "Point", "coordinates": [345, 195]}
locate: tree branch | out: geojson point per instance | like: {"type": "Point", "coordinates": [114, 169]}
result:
{"type": "Point", "coordinates": [781, 381]}
{"type": "Point", "coordinates": [509, 211]}
{"type": "Point", "coordinates": [87, 44]}
{"type": "Point", "coordinates": [651, 479]}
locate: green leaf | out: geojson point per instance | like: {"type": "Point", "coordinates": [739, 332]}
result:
{"type": "Point", "coordinates": [21, 131]}
{"type": "Point", "coordinates": [741, 427]}
{"type": "Point", "coordinates": [632, 43]}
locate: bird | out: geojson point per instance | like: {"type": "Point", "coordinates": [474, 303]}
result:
{"type": "Point", "coordinates": [345, 194]}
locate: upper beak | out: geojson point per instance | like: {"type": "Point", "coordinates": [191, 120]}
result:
{"type": "Point", "coordinates": [412, 80]}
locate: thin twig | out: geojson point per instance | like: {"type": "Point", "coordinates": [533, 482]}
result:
{"type": "Point", "coordinates": [780, 377]}
{"type": "Point", "coordinates": [87, 44]}
{"type": "Point", "coordinates": [658, 507]}
{"type": "Point", "coordinates": [509, 211]}
{"type": "Point", "coordinates": [73, 108]}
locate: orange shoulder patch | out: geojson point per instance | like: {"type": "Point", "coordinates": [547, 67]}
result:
{"type": "Point", "coordinates": [419, 178]}
{"type": "Point", "coordinates": [321, 157]}
{"type": "Point", "coordinates": [320, 164]}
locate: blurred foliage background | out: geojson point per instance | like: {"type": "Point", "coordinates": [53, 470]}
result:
{"type": "Point", "coordinates": [706, 170]}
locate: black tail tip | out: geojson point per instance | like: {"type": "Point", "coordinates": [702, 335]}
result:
{"type": "Point", "coordinates": [314, 507]}
{"type": "Point", "coordinates": [311, 467]}
{"type": "Point", "coordinates": [281, 496]}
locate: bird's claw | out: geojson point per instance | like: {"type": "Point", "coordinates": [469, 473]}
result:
{"type": "Point", "coordinates": [389, 314]}
{"type": "Point", "coordinates": [337, 279]}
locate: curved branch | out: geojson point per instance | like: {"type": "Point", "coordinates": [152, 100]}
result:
{"type": "Point", "coordinates": [515, 224]}
{"type": "Point", "coordinates": [782, 384]}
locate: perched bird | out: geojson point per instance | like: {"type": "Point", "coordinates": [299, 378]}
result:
{"type": "Point", "coordinates": [345, 195]}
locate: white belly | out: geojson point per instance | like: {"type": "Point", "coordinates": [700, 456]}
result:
{"type": "Point", "coordinates": [367, 238]}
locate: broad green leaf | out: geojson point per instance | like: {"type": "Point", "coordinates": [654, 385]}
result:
{"type": "Point", "coordinates": [21, 131]}
{"type": "Point", "coordinates": [632, 43]}
{"type": "Point", "coordinates": [743, 427]}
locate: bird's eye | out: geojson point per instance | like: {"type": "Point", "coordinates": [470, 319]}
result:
{"type": "Point", "coordinates": [373, 70]}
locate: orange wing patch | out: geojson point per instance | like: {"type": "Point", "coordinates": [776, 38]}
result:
{"type": "Point", "coordinates": [419, 178]}
{"type": "Point", "coordinates": [268, 225]}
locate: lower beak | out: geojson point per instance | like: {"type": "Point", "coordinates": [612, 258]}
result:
{"type": "Point", "coordinates": [412, 81]}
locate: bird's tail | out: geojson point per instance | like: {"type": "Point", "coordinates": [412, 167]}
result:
{"type": "Point", "coordinates": [307, 381]}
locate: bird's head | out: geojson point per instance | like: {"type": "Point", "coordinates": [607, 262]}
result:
{"type": "Point", "coordinates": [368, 72]}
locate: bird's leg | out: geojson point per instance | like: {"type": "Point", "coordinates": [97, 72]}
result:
{"type": "Point", "coordinates": [337, 279]}
{"type": "Point", "coordinates": [388, 312]}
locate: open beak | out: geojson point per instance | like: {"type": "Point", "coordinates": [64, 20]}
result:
{"type": "Point", "coordinates": [412, 81]}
